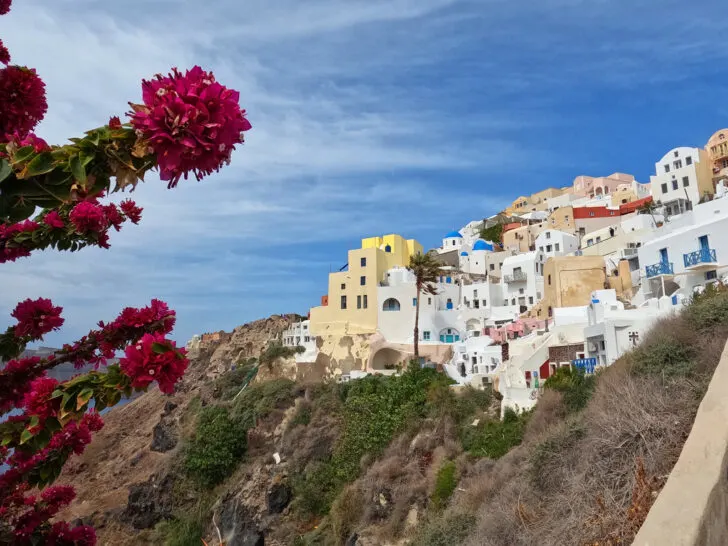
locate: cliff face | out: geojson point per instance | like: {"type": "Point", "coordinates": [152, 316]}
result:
{"type": "Point", "coordinates": [140, 440]}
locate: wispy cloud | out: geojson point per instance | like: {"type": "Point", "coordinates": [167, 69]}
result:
{"type": "Point", "coordinates": [370, 116]}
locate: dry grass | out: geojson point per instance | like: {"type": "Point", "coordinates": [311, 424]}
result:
{"type": "Point", "coordinates": [592, 477]}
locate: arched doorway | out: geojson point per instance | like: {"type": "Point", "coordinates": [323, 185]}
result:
{"type": "Point", "coordinates": [387, 359]}
{"type": "Point", "coordinates": [449, 335]}
{"type": "Point", "coordinates": [391, 304]}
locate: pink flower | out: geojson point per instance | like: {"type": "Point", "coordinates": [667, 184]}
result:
{"type": "Point", "coordinates": [38, 400]}
{"type": "Point", "coordinates": [87, 216]}
{"type": "Point", "coordinates": [191, 122]}
{"type": "Point", "coordinates": [93, 421]}
{"type": "Point", "coordinates": [53, 220]}
{"type": "Point", "coordinates": [113, 216]}
{"type": "Point", "coordinates": [5, 6]}
{"type": "Point", "coordinates": [10, 252]}
{"type": "Point", "coordinates": [131, 210]}
{"type": "Point", "coordinates": [61, 534]}
{"type": "Point", "coordinates": [22, 100]}
{"type": "Point", "coordinates": [16, 380]}
{"type": "Point", "coordinates": [103, 240]}
{"type": "Point", "coordinates": [154, 358]}
{"type": "Point", "coordinates": [114, 122]}
{"type": "Point", "coordinates": [58, 495]}
{"type": "Point", "coordinates": [36, 318]}
{"type": "Point", "coordinates": [39, 145]}
{"type": "Point", "coordinates": [4, 54]}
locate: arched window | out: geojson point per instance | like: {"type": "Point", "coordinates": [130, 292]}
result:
{"type": "Point", "coordinates": [390, 304]}
{"type": "Point", "coordinates": [387, 248]}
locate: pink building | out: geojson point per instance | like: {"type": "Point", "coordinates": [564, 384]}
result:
{"type": "Point", "coordinates": [588, 186]}
{"type": "Point", "coordinates": [520, 328]}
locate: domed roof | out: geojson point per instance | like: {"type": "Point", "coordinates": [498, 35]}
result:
{"type": "Point", "coordinates": [463, 253]}
{"type": "Point", "coordinates": [453, 234]}
{"type": "Point", "coordinates": [482, 245]}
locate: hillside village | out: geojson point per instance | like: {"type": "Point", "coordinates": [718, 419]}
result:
{"type": "Point", "coordinates": [571, 276]}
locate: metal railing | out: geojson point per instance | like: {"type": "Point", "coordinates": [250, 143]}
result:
{"type": "Point", "coordinates": [516, 276]}
{"type": "Point", "coordinates": [661, 268]}
{"type": "Point", "coordinates": [702, 256]}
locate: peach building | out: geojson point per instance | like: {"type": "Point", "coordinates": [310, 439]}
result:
{"type": "Point", "coordinates": [588, 186]}
{"type": "Point", "coordinates": [717, 148]}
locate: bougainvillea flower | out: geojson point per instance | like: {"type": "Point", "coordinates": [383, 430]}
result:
{"type": "Point", "coordinates": [10, 253]}
{"type": "Point", "coordinates": [36, 318]}
{"type": "Point", "coordinates": [31, 139]}
{"type": "Point", "coordinates": [22, 100]}
{"type": "Point", "coordinates": [191, 122]}
{"type": "Point", "coordinates": [4, 54]}
{"type": "Point", "coordinates": [5, 6]}
{"type": "Point", "coordinates": [38, 400]}
{"type": "Point", "coordinates": [130, 209]}
{"type": "Point", "coordinates": [87, 216]}
{"type": "Point", "coordinates": [154, 358]}
{"type": "Point", "coordinates": [114, 122]}
{"type": "Point", "coordinates": [53, 219]}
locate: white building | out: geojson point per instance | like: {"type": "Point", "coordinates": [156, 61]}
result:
{"type": "Point", "coordinates": [475, 361]}
{"type": "Point", "coordinates": [683, 177]}
{"type": "Point", "coordinates": [474, 260]}
{"type": "Point", "coordinates": [298, 335]}
{"type": "Point", "coordinates": [614, 330]}
{"type": "Point", "coordinates": [397, 301]}
{"type": "Point", "coordinates": [522, 279]}
{"type": "Point", "coordinates": [553, 242]}
{"type": "Point", "coordinates": [690, 250]}
{"type": "Point", "coordinates": [451, 241]}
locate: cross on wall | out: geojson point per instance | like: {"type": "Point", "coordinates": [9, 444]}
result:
{"type": "Point", "coordinates": [634, 337]}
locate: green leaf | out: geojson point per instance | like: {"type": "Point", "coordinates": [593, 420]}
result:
{"type": "Point", "coordinates": [52, 425]}
{"type": "Point", "coordinates": [34, 421]}
{"type": "Point", "coordinates": [83, 398]}
{"type": "Point", "coordinates": [77, 169]}
{"type": "Point", "coordinates": [25, 436]}
{"type": "Point", "coordinates": [5, 169]}
{"type": "Point", "coordinates": [23, 154]}
{"type": "Point", "coordinates": [160, 348]}
{"type": "Point", "coordinates": [6, 440]}
{"type": "Point", "coordinates": [40, 164]}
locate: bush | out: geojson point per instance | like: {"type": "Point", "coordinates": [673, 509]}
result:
{"type": "Point", "coordinates": [575, 385]}
{"type": "Point", "coordinates": [667, 351]}
{"type": "Point", "coordinates": [230, 383]}
{"type": "Point", "coordinates": [444, 484]}
{"type": "Point", "coordinates": [708, 309]}
{"type": "Point", "coordinates": [375, 408]}
{"type": "Point", "coordinates": [218, 444]}
{"type": "Point", "coordinates": [302, 417]}
{"type": "Point", "coordinates": [493, 439]}
{"type": "Point", "coordinates": [274, 351]}
{"type": "Point", "coordinates": [257, 401]}
{"type": "Point", "coordinates": [445, 531]}
{"type": "Point", "coordinates": [182, 532]}
{"type": "Point", "coordinates": [550, 453]}
{"type": "Point", "coordinates": [469, 402]}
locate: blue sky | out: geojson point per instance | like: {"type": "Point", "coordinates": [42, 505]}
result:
{"type": "Point", "coordinates": [369, 117]}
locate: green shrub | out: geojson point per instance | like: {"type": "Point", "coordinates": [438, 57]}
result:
{"type": "Point", "coordinates": [493, 233]}
{"type": "Point", "coordinates": [216, 448]}
{"type": "Point", "coordinates": [469, 402]}
{"type": "Point", "coordinates": [662, 354]}
{"type": "Point", "coordinates": [274, 351]}
{"type": "Point", "coordinates": [446, 531]}
{"type": "Point", "coordinates": [575, 385]}
{"type": "Point", "coordinates": [493, 439]}
{"type": "Point", "coordinates": [302, 417]}
{"type": "Point", "coordinates": [375, 408]}
{"type": "Point", "coordinates": [258, 400]}
{"type": "Point", "coordinates": [708, 309]}
{"type": "Point", "coordinates": [445, 484]}
{"type": "Point", "coordinates": [230, 383]}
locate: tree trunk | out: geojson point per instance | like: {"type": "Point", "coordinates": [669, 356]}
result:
{"type": "Point", "coordinates": [417, 323]}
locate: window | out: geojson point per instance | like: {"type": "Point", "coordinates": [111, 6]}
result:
{"type": "Point", "coordinates": [429, 301]}
{"type": "Point", "coordinates": [602, 345]}
{"type": "Point", "coordinates": [548, 235]}
{"type": "Point", "coordinates": [688, 160]}
{"type": "Point", "coordinates": [664, 187]}
{"type": "Point", "coordinates": [556, 247]}
{"type": "Point", "coordinates": [591, 214]}
{"type": "Point", "coordinates": [513, 301]}
{"type": "Point", "coordinates": [548, 248]}
{"type": "Point", "coordinates": [711, 275]}
{"type": "Point", "coordinates": [520, 290]}
{"type": "Point", "coordinates": [675, 153]}
{"type": "Point", "coordinates": [599, 238]}
{"type": "Point", "coordinates": [677, 164]}
{"type": "Point", "coordinates": [530, 299]}
{"type": "Point", "coordinates": [492, 267]}
{"type": "Point", "coordinates": [362, 280]}
{"type": "Point", "coordinates": [365, 301]}
{"type": "Point", "coordinates": [475, 293]}
{"type": "Point", "coordinates": [363, 262]}
{"type": "Point", "coordinates": [387, 248]}
{"type": "Point", "coordinates": [343, 286]}
{"type": "Point", "coordinates": [549, 280]}
{"type": "Point", "coordinates": [484, 303]}
{"type": "Point", "coordinates": [390, 304]}
{"type": "Point", "coordinates": [343, 302]}
{"type": "Point", "coordinates": [540, 248]}
{"type": "Point", "coordinates": [426, 335]}
{"type": "Point", "coordinates": [476, 304]}
{"type": "Point", "coordinates": [674, 184]}
{"type": "Point", "coordinates": [589, 242]}
{"type": "Point", "coordinates": [667, 168]}
{"type": "Point", "coordinates": [358, 302]}
{"type": "Point", "coordinates": [414, 302]}
{"type": "Point", "coordinates": [686, 181]}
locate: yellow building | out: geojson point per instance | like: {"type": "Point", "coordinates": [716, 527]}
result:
{"type": "Point", "coordinates": [568, 281]}
{"type": "Point", "coordinates": [535, 202]}
{"type": "Point", "coordinates": [717, 148]}
{"type": "Point", "coordinates": [562, 219]}
{"type": "Point", "coordinates": [351, 305]}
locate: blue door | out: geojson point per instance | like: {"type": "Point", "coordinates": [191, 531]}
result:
{"type": "Point", "coordinates": [704, 242]}
{"type": "Point", "coordinates": [442, 338]}
{"type": "Point", "coordinates": [449, 304]}
{"type": "Point", "coordinates": [449, 338]}
{"type": "Point", "coordinates": [663, 256]}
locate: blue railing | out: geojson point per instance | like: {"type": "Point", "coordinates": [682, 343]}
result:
{"type": "Point", "coordinates": [586, 364]}
{"type": "Point", "coordinates": [702, 256]}
{"type": "Point", "coordinates": [661, 268]}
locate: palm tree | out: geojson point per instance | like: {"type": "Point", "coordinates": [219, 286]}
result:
{"type": "Point", "coordinates": [648, 208]}
{"type": "Point", "coordinates": [426, 270]}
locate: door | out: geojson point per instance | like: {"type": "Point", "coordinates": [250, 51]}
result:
{"type": "Point", "coordinates": [449, 338]}
{"type": "Point", "coordinates": [663, 256]}
{"type": "Point", "coordinates": [703, 239]}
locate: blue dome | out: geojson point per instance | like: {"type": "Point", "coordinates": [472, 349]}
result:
{"type": "Point", "coordinates": [453, 234]}
{"type": "Point", "coordinates": [482, 245]}
{"type": "Point", "coordinates": [463, 253]}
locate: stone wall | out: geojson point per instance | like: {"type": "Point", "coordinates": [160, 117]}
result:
{"type": "Point", "coordinates": [692, 508]}
{"type": "Point", "coordinates": [565, 353]}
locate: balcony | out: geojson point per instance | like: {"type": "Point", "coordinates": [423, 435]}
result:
{"type": "Point", "coordinates": [705, 257]}
{"type": "Point", "coordinates": [516, 276]}
{"type": "Point", "coordinates": [661, 268]}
